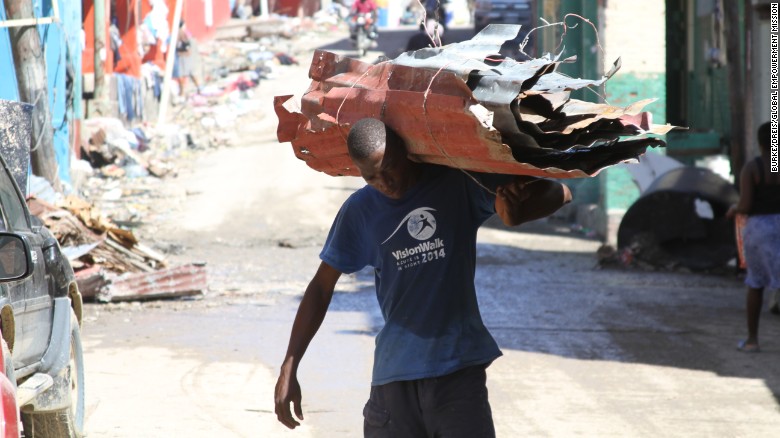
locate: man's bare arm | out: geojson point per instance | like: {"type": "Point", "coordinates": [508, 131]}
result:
{"type": "Point", "coordinates": [311, 313]}
{"type": "Point", "coordinates": [746, 187]}
{"type": "Point", "coordinates": [526, 199]}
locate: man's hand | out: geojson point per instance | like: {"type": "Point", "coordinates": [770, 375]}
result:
{"type": "Point", "coordinates": [510, 197]}
{"type": "Point", "coordinates": [288, 390]}
{"type": "Point", "coordinates": [526, 198]}
{"type": "Point", "coordinates": [310, 314]}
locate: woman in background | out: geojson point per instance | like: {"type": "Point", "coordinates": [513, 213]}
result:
{"type": "Point", "coordinates": [760, 200]}
{"type": "Point", "coordinates": [182, 68]}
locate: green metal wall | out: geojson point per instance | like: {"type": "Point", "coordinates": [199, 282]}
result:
{"type": "Point", "coordinates": [577, 41]}
{"type": "Point", "coordinates": [623, 89]}
{"type": "Point", "coordinates": [697, 78]}
{"type": "Point", "coordinates": [580, 37]}
{"type": "Point", "coordinates": [613, 190]}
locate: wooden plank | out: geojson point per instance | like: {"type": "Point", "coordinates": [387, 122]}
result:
{"type": "Point", "coordinates": [26, 22]}
{"type": "Point", "coordinates": [132, 258]}
{"type": "Point", "coordinates": [149, 252]}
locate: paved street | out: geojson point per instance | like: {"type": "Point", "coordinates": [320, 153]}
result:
{"type": "Point", "coordinates": [587, 352]}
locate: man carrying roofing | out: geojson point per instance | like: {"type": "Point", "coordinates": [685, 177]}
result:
{"type": "Point", "coordinates": [416, 225]}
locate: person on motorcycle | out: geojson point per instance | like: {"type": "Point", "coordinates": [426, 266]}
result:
{"type": "Point", "coordinates": [365, 7]}
{"type": "Point", "coordinates": [435, 9]}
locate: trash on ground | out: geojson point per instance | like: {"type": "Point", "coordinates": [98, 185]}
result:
{"type": "Point", "coordinates": [109, 262]}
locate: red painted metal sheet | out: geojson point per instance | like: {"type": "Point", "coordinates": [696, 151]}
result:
{"type": "Point", "coordinates": [165, 283]}
{"type": "Point", "coordinates": [195, 17]}
{"type": "Point", "coordinates": [88, 54]}
{"type": "Point", "coordinates": [88, 24]}
{"type": "Point", "coordinates": [437, 128]}
{"type": "Point", "coordinates": [294, 8]}
{"type": "Point", "coordinates": [432, 107]}
{"type": "Point", "coordinates": [129, 62]}
{"type": "Point", "coordinates": [92, 281]}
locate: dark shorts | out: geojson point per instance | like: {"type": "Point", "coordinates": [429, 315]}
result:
{"type": "Point", "coordinates": [455, 405]}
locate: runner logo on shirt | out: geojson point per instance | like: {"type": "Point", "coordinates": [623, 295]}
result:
{"type": "Point", "coordinates": [421, 225]}
{"type": "Point", "coordinates": [419, 222]}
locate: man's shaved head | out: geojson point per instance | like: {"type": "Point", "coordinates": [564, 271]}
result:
{"type": "Point", "coordinates": [368, 136]}
{"type": "Point", "coordinates": [380, 156]}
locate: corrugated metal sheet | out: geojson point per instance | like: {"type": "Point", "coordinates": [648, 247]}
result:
{"type": "Point", "coordinates": [460, 106]}
{"type": "Point", "coordinates": [164, 283]}
{"type": "Point", "coordinates": [92, 282]}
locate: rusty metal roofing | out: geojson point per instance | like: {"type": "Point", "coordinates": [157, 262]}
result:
{"type": "Point", "coordinates": [462, 106]}
{"type": "Point", "coordinates": [179, 281]}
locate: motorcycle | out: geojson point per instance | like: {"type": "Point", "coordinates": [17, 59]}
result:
{"type": "Point", "coordinates": [362, 32]}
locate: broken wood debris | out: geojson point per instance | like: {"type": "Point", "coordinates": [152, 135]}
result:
{"type": "Point", "coordinates": [109, 263]}
{"type": "Point", "coordinates": [461, 106]}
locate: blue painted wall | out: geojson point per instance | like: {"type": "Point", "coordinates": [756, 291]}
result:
{"type": "Point", "coordinates": [61, 42]}
{"type": "Point", "coordinates": [62, 47]}
{"type": "Point", "coordinates": [8, 88]}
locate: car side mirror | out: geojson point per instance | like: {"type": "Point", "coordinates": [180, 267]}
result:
{"type": "Point", "coordinates": [15, 258]}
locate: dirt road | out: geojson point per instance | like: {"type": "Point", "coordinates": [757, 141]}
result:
{"type": "Point", "coordinates": [587, 352]}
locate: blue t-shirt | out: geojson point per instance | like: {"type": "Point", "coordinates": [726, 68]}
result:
{"type": "Point", "coordinates": [423, 251]}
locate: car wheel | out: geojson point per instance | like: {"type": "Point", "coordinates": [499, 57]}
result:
{"type": "Point", "coordinates": [69, 422]}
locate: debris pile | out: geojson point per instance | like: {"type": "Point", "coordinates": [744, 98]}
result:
{"type": "Point", "coordinates": [117, 177]}
{"type": "Point", "coordinates": [121, 172]}
{"type": "Point", "coordinates": [109, 262]}
{"type": "Point", "coordinates": [232, 70]}
{"type": "Point", "coordinates": [461, 106]}
{"type": "Point", "coordinates": [115, 151]}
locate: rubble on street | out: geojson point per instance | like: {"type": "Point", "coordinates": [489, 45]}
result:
{"type": "Point", "coordinates": [123, 165]}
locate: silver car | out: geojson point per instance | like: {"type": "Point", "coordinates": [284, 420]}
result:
{"type": "Point", "coordinates": [41, 358]}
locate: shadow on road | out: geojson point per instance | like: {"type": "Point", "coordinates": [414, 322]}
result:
{"type": "Point", "coordinates": [559, 303]}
